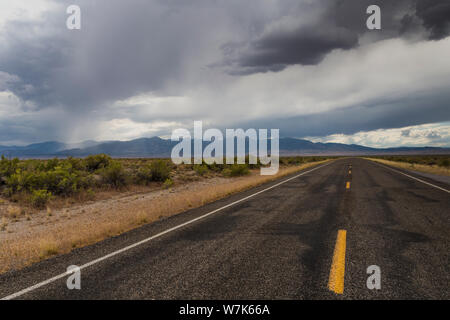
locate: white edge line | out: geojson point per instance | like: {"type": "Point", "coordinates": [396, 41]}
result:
{"type": "Point", "coordinates": [112, 254]}
{"type": "Point", "coordinates": [420, 180]}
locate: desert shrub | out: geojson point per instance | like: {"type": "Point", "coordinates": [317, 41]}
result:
{"type": "Point", "coordinates": [143, 175]}
{"type": "Point", "coordinates": [97, 162]}
{"type": "Point", "coordinates": [76, 164]}
{"type": "Point", "coordinates": [39, 198]}
{"type": "Point", "coordinates": [236, 170]}
{"type": "Point", "coordinates": [90, 194]}
{"type": "Point", "coordinates": [226, 172]}
{"type": "Point", "coordinates": [159, 170]}
{"type": "Point", "coordinates": [445, 163]}
{"type": "Point", "coordinates": [7, 168]}
{"type": "Point", "coordinates": [256, 165]}
{"type": "Point", "coordinates": [51, 164]}
{"type": "Point", "coordinates": [216, 167]}
{"type": "Point", "coordinates": [13, 184]}
{"type": "Point", "coordinates": [168, 183]}
{"type": "Point", "coordinates": [60, 180]}
{"type": "Point", "coordinates": [201, 169]}
{"type": "Point", "coordinates": [156, 171]}
{"type": "Point", "coordinates": [114, 174]}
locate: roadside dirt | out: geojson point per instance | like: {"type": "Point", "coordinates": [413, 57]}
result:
{"type": "Point", "coordinates": [21, 221]}
{"type": "Point", "coordinates": [27, 237]}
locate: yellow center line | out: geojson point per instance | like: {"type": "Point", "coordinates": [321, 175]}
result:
{"type": "Point", "coordinates": [336, 279]}
{"type": "Point", "coordinates": [347, 186]}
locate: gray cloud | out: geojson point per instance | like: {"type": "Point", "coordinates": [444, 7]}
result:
{"type": "Point", "coordinates": [435, 15]}
{"type": "Point", "coordinates": [376, 115]}
{"type": "Point", "coordinates": [434, 135]}
{"type": "Point", "coordinates": [406, 133]}
{"type": "Point", "coordinates": [341, 25]}
{"type": "Point", "coordinates": [122, 49]}
{"type": "Point", "coordinates": [306, 46]}
{"type": "Point", "coordinates": [67, 81]}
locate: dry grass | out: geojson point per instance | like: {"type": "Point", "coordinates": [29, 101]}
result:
{"type": "Point", "coordinates": [13, 212]}
{"type": "Point", "coordinates": [141, 218]}
{"type": "Point", "coordinates": [3, 224]}
{"type": "Point", "coordinates": [414, 166]}
{"type": "Point", "coordinates": [48, 247]}
{"type": "Point", "coordinates": [91, 226]}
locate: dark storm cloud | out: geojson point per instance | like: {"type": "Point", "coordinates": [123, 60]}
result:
{"type": "Point", "coordinates": [275, 51]}
{"type": "Point", "coordinates": [435, 15]}
{"type": "Point", "coordinates": [123, 48]}
{"type": "Point", "coordinates": [339, 26]}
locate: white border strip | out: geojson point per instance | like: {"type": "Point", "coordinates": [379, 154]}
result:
{"type": "Point", "coordinates": [420, 180]}
{"type": "Point", "coordinates": [112, 254]}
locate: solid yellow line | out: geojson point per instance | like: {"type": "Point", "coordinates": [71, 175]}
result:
{"type": "Point", "coordinates": [347, 186]}
{"type": "Point", "coordinates": [336, 280]}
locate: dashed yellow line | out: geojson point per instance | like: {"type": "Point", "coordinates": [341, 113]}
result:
{"type": "Point", "coordinates": [347, 186]}
{"type": "Point", "coordinates": [337, 272]}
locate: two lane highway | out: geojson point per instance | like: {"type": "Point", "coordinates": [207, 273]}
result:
{"type": "Point", "coordinates": [278, 244]}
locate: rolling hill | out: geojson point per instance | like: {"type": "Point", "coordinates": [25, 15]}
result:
{"type": "Point", "coordinates": [157, 147]}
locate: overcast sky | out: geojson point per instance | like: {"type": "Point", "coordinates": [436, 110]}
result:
{"type": "Point", "coordinates": [140, 68]}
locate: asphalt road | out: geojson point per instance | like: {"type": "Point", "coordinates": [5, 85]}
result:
{"type": "Point", "coordinates": [278, 244]}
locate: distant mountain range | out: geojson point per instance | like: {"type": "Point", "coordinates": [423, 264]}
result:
{"type": "Point", "coordinates": [157, 147]}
